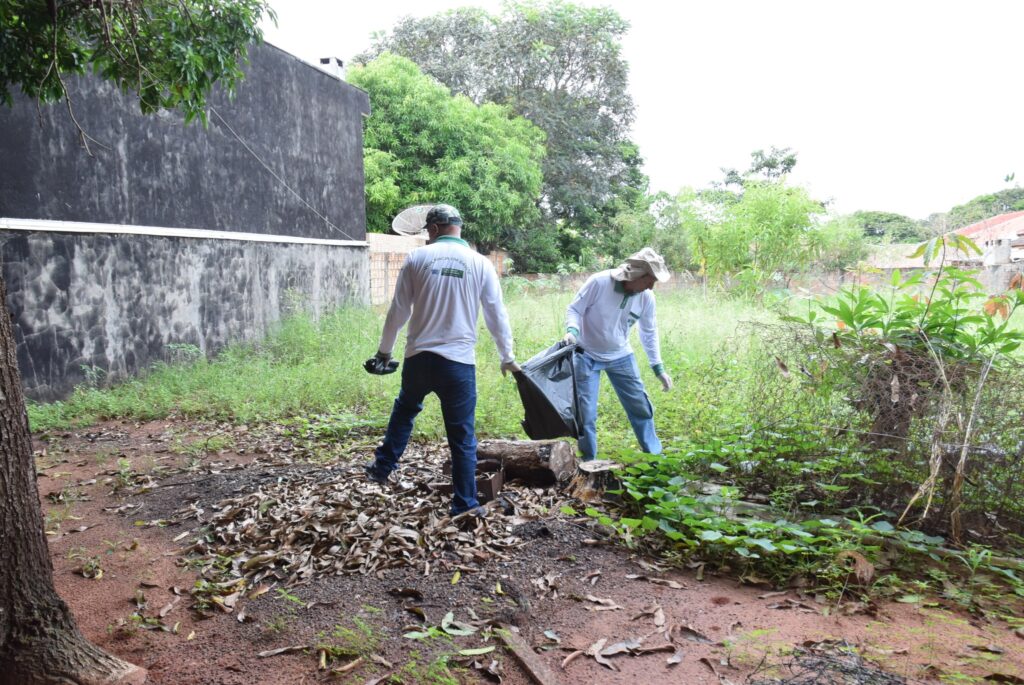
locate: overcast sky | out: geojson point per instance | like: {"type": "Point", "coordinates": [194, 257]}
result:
{"type": "Point", "coordinates": [904, 106]}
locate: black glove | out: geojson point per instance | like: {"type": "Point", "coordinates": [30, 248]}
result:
{"type": "Point", "coordinates": [380, 364]}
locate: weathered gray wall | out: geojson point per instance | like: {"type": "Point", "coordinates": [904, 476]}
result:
{"type": "Point", "coordinates": [155, 171]}
{"type": "Point", "coordinates": [113, 301]}
{"type": "Point", "coordinates": [116, 302]}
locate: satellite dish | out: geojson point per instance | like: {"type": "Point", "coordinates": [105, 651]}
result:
{"type": "Point", "coordinates": [411, 221]}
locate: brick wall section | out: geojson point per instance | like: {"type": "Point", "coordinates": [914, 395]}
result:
{"type": "Point", "coordinates": [387, 255]}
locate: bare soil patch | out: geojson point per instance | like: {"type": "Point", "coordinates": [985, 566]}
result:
{"type": "Point", "coordinates": [113, 496]}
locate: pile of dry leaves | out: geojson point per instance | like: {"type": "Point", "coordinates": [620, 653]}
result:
{"type": "Point", "coordinates": [308, 524]}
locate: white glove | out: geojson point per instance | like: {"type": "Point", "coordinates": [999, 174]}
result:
{"type": "Point", "coordinates": [507, 367]}
{"type": "Point", "coordinates": [666, 381]}
{"type": "Point", "coordinates": [569, 339]}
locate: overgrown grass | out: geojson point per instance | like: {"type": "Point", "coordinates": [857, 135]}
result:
{"type": "Point", "coordinates": [307, 367]}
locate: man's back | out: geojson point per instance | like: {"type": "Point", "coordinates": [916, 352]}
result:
{"type": "Point", "coordinates": [444, 284]}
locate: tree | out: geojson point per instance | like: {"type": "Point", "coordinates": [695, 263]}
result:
{"type": "Point", "coordinates": [560, 66]}
{"type": "Point", "coordinates": [39, 641]}
{"type": "Point", "coordinates": [765, 234]}
{"type": "Point", "coordinates": [770, 166]}
{"type": "Point", "coordinates": [422, 145]}
{"type": "Point", "coordinates": [986, 206]}
{"type": "Point", "coordinates": [170, 53]}
{"type": "Point", "coordinates": [887, 226]}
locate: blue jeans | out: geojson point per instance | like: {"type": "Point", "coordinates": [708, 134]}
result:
{"type": "Point", "coordinates": [455, 385]}
{"type": "Point", "coordinates": [625, 377]}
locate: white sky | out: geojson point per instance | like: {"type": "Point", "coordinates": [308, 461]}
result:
{"type": "Point", "coordinates": [907, 106]}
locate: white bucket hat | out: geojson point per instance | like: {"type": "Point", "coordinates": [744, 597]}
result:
{"type": "Point", "coordinates": [643, 263]}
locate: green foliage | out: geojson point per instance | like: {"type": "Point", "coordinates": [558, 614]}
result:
{"type": "Point", "coordinates": [771, 167]}
{"type": "Point", "coordinates": [169, 52]}
{"type": "Point", "coordinates": [926, 370]}
{"type": "Point", "coordinates": [888, 227]}
{"type": "Point", "coordinates": [384, 199]}
{"type": "Point", "coordinates": [666, 226]}
{"type": "Point", "coordinates": [766, 233]}
{"type": "Point", "coordinates": [422, 145]}
{"type": "Point", "coordinates": [345, 643]}
{"type": "Point", "coordinates": [837, 244]}
{"type": "Point", "coordinates": [558, 64]}
{"type": "Point", "coordinates": [950, 323]}
{"type": "Point", "coordinates": [984, 207]}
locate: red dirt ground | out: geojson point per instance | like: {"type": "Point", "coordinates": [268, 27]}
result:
{"type": "Point", "coordinates": [747, 628]}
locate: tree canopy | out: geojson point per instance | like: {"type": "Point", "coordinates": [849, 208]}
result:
{"type": "Point", "coordinates": [985, 206]}
{"type": "Point", "coordinates": [764, 166]}
{"type": "Point", "coordinates": [423, 145]}
{"type": "Point", "coordinates": [169, 52]}
{"type": "Point", "coordinates": [887, 226]}
{"type": "Point", "coordinates": [560, 66]}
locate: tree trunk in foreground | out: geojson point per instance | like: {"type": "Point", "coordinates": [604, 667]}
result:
{"type": "Point", "coordinates": [39, 641]}
{"type": "Point", "coordinates": [537, 462]}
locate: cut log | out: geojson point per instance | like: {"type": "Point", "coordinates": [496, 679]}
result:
{"type": "Point", "coordinates": [593, 478]}
{"type": "Point", "coordinates": [541, 463]}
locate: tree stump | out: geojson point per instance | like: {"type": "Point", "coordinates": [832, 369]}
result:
{"type": "Point", "coordinates": [541, 463]}
{"type": "Point", "coordinates": [593, 478]}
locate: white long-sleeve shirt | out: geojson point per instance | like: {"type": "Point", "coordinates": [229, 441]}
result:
{"type": "Point", "coordinates": [442, 286]}
{"type": "Point", "coordinates": [604, 314]}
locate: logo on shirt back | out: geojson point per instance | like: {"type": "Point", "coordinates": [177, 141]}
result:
{"type": "Point", "coordinates": [456, 271]}
{"type": "Point", "coordinates": [448, 271]}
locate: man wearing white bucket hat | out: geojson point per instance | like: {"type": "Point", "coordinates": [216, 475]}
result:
{"type": "Point", "coordinates": [442, 287]}
{"type": "Point", "coordinates": [599, 320]}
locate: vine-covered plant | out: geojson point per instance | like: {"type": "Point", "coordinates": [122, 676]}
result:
{"type": "Point", "coordinates": [913, 358]}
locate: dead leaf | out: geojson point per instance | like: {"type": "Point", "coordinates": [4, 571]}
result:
{"type": "Point", "coordinates": [988, 649]}
{"type": "Point", "coordinates": [569, 659]}
{"type": "Point", "coordinates": [418, 611]}
{"type": "Point", "coordinates": [377, 659]}
{"type": "Point", "coordinates": [595, 651]}
{"type": "Point", "coordinates": [355, 663]}
{"type": "Point", "coordinates": [282, 650]}
{"type": "Point", "coordinates": [667, 583]}
{"type": "Point", "coordinates": [693, 635]}
{"type": "Point", "coordinates": [658, 581]}
{"type": "Point", "coordinates": [168, 607]}
{"type": "Point", "coordinates": [620, 647]}
{"type": "Point", "coordinates": [676, 658]}
{"type": "Point", "coordinates": [605, 604]}
{"type": "Point", "coordinates": [863, 569]}
{"type": "Point", "coordinates": [259, 590]}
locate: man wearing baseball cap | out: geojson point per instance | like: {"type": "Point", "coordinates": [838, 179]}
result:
{"type": "Point", "coordinates": [441, 287]}
{"type": "Point", "coordinates": [600, 319]}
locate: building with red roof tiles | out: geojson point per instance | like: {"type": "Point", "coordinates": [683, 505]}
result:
{"type": "Point", "coordinates": [1000, 238]}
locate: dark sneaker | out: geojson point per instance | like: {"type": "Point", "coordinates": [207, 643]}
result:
{"type": "Point", "coordinates": [373, 476]}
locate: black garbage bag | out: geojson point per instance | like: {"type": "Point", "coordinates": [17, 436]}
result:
{"type": "Point", "coordinates": [547, 388]}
